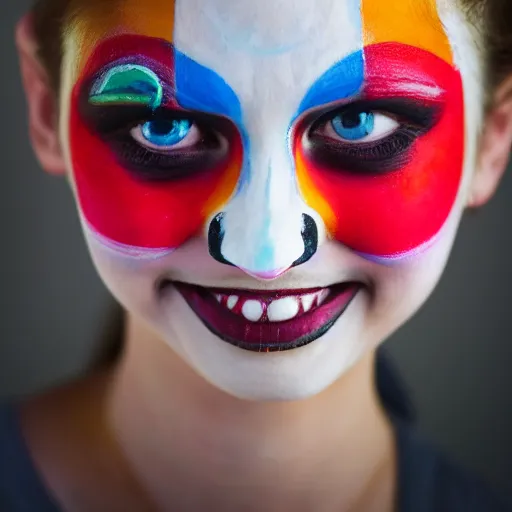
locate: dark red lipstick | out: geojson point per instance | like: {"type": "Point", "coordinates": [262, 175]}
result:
{"type": "Point", "coordinates": [269, 320]}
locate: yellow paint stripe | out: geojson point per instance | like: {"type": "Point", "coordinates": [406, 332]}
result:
{"type": "Point", "coordinates": [92, 21]}
{"type": "Point", "coordinates": [311, 195]}
{"type": "Point", "coordinates": [412, 22]}
{"type": "Point", "coordinates": [224, 189]}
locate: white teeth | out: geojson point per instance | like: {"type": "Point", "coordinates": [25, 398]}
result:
{"type": "Point", "coordinates": [232, 301]}
{"type": "Point", "coordinates": [283, 309]}
{"type": "Point", "coordinates": [322, 296]}
{"type": "Point", "coordinates": [316, 299]}
{"type": "Point", "coordinates": [252, 310]}
{"type": "Point", "coordinates": [279, 310]}
{"type": "Point", "coordinates": [307, 301]}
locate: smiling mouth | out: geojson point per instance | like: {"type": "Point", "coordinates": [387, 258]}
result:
{"type": "Point", "coordinates": [269, 320]}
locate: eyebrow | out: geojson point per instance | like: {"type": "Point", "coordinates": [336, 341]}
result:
{"type": "Point", "coordinates": [128, 83]}
{"type": "Point", "coordinates": [200, 88]}
{"type": "Point", "coordinates": [342, 80]}
{"type": "Point", "coordinates": [193, 86]}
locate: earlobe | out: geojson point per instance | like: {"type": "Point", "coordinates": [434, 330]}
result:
{"type": "Point", "coordinates": [41, 101]}
{"type": "Point", "coordinates": [495, 148]}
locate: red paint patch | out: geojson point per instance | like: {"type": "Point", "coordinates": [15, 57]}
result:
{"type": "Point", "coordinates": [128, 210]}
{"type": "Point", "coordinates": [395, 212]}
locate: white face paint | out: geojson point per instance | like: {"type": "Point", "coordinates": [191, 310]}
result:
{"type": "Point", "coordinates": [261, 50]}
{"type": "Point", "coordinates": [270, 54]}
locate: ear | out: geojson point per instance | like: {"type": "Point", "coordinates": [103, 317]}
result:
{"type": "Point", "coordinates": [41, 100]}
{"type": "Point", "coordinates": [495, 147]}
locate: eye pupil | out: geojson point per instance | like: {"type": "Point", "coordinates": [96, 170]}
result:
{"type": "Point", "coordinates": [354, 125]}
{"type": "Point", "coordinates": [166, 133]}
{"type": "Point", "coordinates": [352, 120]}
{"type": "Point", "coordinates": [161, 127]}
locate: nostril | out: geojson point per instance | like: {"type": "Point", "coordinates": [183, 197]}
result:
{"type": "Point", "coordinates": [215, 238]}
{"type": "Point", "coordinates": [310, 237]}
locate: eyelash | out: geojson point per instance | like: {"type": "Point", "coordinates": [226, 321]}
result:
{"type": "Point", "coordinates": [375, 157]}
{"type": "Point", "coordinates": [116, 125]}
{"type": "Point", "coordinates": [380, 156]}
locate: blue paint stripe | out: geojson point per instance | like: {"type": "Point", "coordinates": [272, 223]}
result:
{"type": "Point", "coordinates": [342, 80]}
{"type": "Point", "coordinates": [264, 258]}
{"type": "Point", "coordinates": [200, 88]}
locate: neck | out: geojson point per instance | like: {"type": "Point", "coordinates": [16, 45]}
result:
{"type": "Point", "coordinates": [196, 448]}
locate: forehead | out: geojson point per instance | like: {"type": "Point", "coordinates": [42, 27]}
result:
{"type": "Point", "coordinates": [285, 44]}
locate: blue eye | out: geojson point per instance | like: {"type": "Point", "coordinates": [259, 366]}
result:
{"type": "Point", "coordinates": [166, 133]}
{"type": "Point", "coordinates": [354, 125]}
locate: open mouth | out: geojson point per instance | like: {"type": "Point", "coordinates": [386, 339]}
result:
{"type": "Point", "coordinates": [269, 320]}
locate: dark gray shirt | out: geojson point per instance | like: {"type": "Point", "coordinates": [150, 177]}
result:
{"type": "Point", "coordinates": [428, 482]}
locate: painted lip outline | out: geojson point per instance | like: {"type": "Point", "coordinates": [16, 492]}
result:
{"type": "Point", "coordinates": [268, 336]}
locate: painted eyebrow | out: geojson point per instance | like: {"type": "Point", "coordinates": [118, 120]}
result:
{"type": "Point", "coordinates": [195, 87]}
{"type": "Point", "coordinates": [200, 88]}
{"type": "Point", "coordinates": [127, 83]}
{"type": "Point", "coordinates": [344, 79]}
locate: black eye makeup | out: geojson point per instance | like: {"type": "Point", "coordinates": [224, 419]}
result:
{"type": "Point", "coordinates": [369, 136]}
{"type": "Point", "coordinates": [162, 144]}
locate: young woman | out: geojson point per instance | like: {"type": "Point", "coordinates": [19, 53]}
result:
{"type": "Point", "coordinates": [269, 189]}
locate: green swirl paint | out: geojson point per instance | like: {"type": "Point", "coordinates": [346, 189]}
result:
{"type": "Point", "coordinates": [128, 84]}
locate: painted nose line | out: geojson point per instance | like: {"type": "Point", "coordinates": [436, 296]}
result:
{"type": "Point", "coordinates": [309, 236]}
{"type": "Point", "coordinates": [215, 238]}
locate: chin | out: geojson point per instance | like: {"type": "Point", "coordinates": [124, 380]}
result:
{"type": "Point", "coordinates": [276, 359]}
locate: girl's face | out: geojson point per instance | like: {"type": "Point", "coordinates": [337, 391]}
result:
{"type": "Point", "coordinates": [273, 187]}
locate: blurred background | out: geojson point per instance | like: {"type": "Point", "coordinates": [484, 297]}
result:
{"type": "Point", "coordinates": [456, 354]}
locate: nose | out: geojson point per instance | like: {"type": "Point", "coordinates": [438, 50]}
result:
{"type": "Point", "coordinates": [266, 228]}
{"type": "Point", "coordinates": [308, 235]}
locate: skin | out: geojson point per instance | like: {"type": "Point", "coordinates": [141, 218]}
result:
{"type": "Point", "coordinates": [198, 397]}
{"type": "Point", "coordinates": [388, 296]}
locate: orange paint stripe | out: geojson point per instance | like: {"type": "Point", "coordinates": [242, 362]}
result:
{"type": "Point", "coordinates": [95, 20]}
{"type": "Point", "coordinates": [311, 195]}
{"type": "Point", "coordinates": [224, 190]}
{"type": "Point", "coordinates": [412, 22]}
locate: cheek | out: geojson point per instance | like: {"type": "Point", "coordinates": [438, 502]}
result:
{"type": "Point", "coordinates": [131, 212]}
{"type": "Point", "coordinates": [394, 213]}
{"type": "Point", "coordinates": [128, 211]}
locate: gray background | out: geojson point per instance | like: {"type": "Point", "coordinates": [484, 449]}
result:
{"type": "Point", "coordinates": [456, 354]}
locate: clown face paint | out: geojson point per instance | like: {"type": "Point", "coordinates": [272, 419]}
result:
{"type": "Point", "coordinates": [259, 164]}
{"type": "Point", "coordinates": [157, 174]}
{"type": "Point", "coordinates": [377, 168]}
{"type": "Point", "coordinates": [359, 146]}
